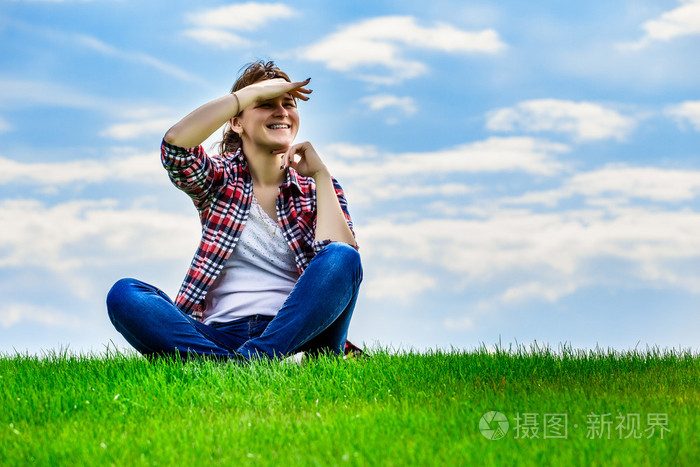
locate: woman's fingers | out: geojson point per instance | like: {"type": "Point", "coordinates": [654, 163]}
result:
{"type": "Point", "coordinates": [298, 90]}
{"type": "Point", "coordinates": [300, 97]}
{"type": "Point", "coordinates": [309, 161]}
{"type": "Point", "coordinates": [300, 84]}
{"type": "Point", "coordinates": [288, 155]}
{"type": "Point", "coordinates": [297, 94]}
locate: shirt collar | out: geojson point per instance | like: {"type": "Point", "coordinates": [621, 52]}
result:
{"type": "Point", "coordinates": [292, 179]}
{"type": "Point", "coordinates": [238, 156]}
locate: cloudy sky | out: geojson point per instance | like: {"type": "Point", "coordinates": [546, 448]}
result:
{"type": "Point", "coordinates": [517, 171]}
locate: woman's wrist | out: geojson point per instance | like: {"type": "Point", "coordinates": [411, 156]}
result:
{"type": "Point", "coordinates": [321, 173]}
{"type": "Point", "coordinates": [238, 103]}
{"type": "Point", "coordinates": [243, 99]}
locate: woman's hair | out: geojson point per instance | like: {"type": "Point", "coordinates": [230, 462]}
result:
{"type": "Point", "coordinates": [254, 72]}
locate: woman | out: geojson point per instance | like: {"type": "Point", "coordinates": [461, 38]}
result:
{"type": "Point", "coordinates": [277, 270]}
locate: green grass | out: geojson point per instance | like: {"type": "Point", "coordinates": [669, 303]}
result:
{"type": "Point", "coordinates": [391, 409]}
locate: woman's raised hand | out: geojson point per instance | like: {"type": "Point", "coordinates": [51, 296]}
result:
{"type": "Point", "coordinates": [271, 88]}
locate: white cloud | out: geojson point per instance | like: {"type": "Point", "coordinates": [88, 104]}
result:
{"type": "Point", "coordinates": [523, 255]}
{"type": "Point", "coordinates": [135, 57]}
{"type": "Point", "coordinates": [398, 285]}
{"type": "Point", "coordinates": [463, 323]}
{"type": "Point", "coordinates": [348, 151]}
{"type": "Point", "coordinates": [82, 233]}
{"type": "Point", "coordinates": [25, 93]}
{"type": "Point", "coordinates": [585, 121]}
{"type": "Point", "coordinates": [125, 165]}
{"type": "Point", "coordinates": [56, 36]}
{"type": "Point", "coordinates": [367, 175]}
{"type": "Point", "coordinates": [242, 16]}
{"type": "Point", "coordinates": [4, 125]}
{"type": "Point", "coordinates": [382, 42]}
{"type": "Point", "coordinates": [221, 39]}
{"type": "Point", "coordinates": [382, 101]}
{"type": "Point", "coordinates": [638, 182]}
{"type": "Point", "coordinates": [689, 110]}
{"type": "Point", "coordinates": [550, 291]}
{"type": "Point", "coordinates": [130, 130]}
{"type": "Point", "coordinates": [143, 120]}
{"type": "Point", "coordinates": [15, 313]}
{"type": "Point", "coordinates": [681, 21]}
{"type": "Point", "coordinates": [212, 23]}
{"type": "Point", "coordinates": [387, 191]}
{"type": "Point", "coordinates": [492, 155]}
{"type": "Point", "coordinates": [145, 113]}
{"type": "Point", "coordinates": [618, 184]}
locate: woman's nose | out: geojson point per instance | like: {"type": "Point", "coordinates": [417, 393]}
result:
{"type": "Point", "coordinates": [281, 110]}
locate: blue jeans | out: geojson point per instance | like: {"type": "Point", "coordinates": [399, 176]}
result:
{"type": "Point", "coordinates": [314, 318]}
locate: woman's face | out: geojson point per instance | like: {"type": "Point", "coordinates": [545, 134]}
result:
{"type": "Point", "coordinates": [269, 125]}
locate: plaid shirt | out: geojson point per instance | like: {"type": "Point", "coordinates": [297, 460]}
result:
{"type": "Point", "coordinates": [221, 188]}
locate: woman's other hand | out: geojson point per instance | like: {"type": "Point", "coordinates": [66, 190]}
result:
{"type": "Point", "coordinates": [309, 163]}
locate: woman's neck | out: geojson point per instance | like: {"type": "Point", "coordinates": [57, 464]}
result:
{"type": "Point", "coordinates": [265, 168]}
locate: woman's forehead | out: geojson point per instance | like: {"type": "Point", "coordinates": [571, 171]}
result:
{"type": "Point", "coordinates": [284, 97]}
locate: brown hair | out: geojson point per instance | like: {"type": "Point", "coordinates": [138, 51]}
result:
{"type": "Point", "coordinates": [254, 72]}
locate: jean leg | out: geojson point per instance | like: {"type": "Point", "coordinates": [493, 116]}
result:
{"type": "Point", "coordinates": [321, 304]}
{"type": "Point", "coordinates": [153, 325]}
{"type": "Point", "coordinates": [334, 336]}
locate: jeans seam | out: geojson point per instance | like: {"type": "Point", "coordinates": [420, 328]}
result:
{"type": "Point", "coordinates": [209, 338]}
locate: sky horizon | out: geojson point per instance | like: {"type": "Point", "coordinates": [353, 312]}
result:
{"type": "Point", "coordinates": [516, 173]}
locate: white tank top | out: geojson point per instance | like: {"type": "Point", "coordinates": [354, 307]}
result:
{"type": "Point", "coordinates": [258, 276]}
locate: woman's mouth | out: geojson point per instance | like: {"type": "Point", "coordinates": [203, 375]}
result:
{"type": "Point", "coordinates": [279, 126]}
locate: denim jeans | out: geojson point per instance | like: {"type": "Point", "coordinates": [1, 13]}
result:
{"type": "Point", "coordinates": [314, 318]}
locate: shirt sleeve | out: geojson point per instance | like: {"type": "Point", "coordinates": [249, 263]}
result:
{"type": "Point", "coordinates": [192, 171]}
{"type": "Point", "coordinates": [318, 245]}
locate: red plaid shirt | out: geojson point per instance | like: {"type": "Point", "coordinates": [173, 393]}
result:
{"type": "Point", "coordinates": [221, 188]}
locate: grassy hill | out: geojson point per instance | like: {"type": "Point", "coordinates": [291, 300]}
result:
{"type": "Point", "coordinates": [482, 407]}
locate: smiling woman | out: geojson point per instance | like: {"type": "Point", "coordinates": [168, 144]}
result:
{"type": "Point", "coordinates": [277, 270]}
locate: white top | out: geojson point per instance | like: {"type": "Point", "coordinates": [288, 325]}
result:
{"type": "Point", "coordinates": [258, 276]}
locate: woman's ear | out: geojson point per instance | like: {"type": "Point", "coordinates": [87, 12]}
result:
{"type": "Point", "coordinates": [235, 123]}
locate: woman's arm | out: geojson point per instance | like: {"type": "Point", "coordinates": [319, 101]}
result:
{"type": "Point", "coordinates": [199, 124]}
{"type": "Point", "coordinates": [330, 220]}
{"type": "Point", "coordinates": [331, 223]}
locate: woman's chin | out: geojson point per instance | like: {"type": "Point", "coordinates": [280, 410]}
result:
{"type": "Point", "coordinates": [281, 146]}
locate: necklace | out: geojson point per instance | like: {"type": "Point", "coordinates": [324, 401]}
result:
{"type": "Point", "coordinates": [263, 215]}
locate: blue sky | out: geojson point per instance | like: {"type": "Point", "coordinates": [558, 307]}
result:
{"type": "Point", "coordinates": [517, 171]}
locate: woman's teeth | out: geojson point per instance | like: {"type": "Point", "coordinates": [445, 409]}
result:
{"type": "Point", "coordinates": [277, 127]}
